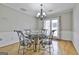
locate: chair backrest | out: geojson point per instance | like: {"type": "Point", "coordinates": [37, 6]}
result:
{"type": "Point", "coordinates": [44, 31]}
{"type": "Point", "coordinates": [21, 36]}
{"type": "Point", "coordinates": [27, 31]}
{"type": "Point", "coordinates": [52, 32]}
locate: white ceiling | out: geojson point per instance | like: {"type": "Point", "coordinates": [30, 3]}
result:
{"type": "Point", "coordinates": [33, 8]}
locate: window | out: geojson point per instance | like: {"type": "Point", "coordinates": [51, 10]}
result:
{"type": "Point", "coordinates": [51, 25]}
{"type": "Point", "coordinates": [47, 26]}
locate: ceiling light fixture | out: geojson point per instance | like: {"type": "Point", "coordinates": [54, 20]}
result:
{"type": "Point", "coordinates": [41, 15]}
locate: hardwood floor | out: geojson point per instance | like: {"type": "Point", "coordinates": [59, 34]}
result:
{"type": "Point", "coordinates": [59, 47]}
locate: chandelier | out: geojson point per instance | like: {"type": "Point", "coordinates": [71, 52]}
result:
{"type": "Point", "coordinates": [41, 15]}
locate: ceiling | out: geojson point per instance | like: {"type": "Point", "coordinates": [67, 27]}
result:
{"type": "Point", "coordinates": [33, 8]}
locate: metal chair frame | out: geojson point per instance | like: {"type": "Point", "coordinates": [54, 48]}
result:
{"type": "Point", "coordinates": [22, 40]}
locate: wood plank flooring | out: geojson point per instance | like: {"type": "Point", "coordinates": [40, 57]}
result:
{"type": "Point", "coordinates": [58, 47]}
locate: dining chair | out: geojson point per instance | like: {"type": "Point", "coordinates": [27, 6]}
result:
{"type": "Point", "coordinates": [52, 34]}
{"type": "Point", "coordinates": [23, 41]}
{"type": "Point", "coordinates": [27, 31]}
{"type": "Point", "coordinates": [43, 38]}
{"type": "Point", "coordinates": [29, 34]}
{"type": "Point", "coordinates": [43, 33]}
{"type": "Point", "coordinates": [47, 41]}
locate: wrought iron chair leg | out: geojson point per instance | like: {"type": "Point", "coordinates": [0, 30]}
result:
{"type": "Point", "coordinates": [18, 49]}
{"type": "Point", "coordinates": [49, 50]}
{"type": "Point", "coordinates": [39, 47]}
{"type": "Point", "coordinates": [49, 47]}
{"type": "Point", "coordinates": [23, 50]}
{"type": "Point", "coordinates": [33, 44]}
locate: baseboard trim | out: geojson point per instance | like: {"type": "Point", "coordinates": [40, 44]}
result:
{"type": "Point", "coordinates": [8, 45]}
{"type": "Point", "coordinates": [62, 40]}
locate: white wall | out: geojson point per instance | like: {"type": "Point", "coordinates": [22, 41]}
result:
{"type": "Point", "coordinates": [66, 26]}
{"type": "Point", "coordinates": [8, 38]}
{"type": "Point", "coordinates": [11, 20]}
{"type": "Point", "coordinates": [39, 24]}
{"type": "Point", "coordinates": [76, 27]}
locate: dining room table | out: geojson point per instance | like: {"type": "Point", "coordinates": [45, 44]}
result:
{"type": "Point", "coordinates": [35, 36]}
